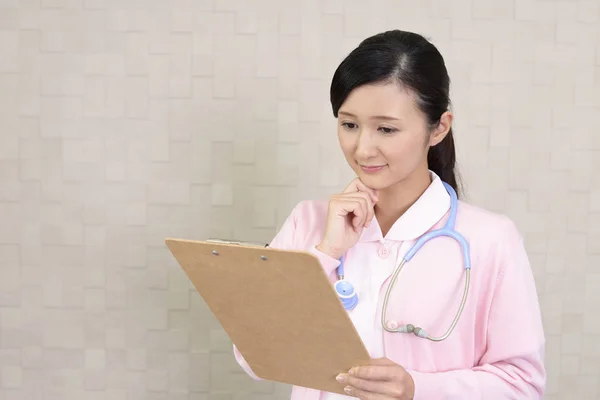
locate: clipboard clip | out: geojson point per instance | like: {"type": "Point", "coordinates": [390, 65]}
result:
{"type": "Point", "coordinates": [237, 242]}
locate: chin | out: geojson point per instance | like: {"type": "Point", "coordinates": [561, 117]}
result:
{"type": "Point", "coordinates": [374, 182]}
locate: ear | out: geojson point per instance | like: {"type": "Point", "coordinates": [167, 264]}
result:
{"type": "Point", "coordinates": [441, 130]}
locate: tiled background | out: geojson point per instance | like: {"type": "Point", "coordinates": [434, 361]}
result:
{"type": "Point", "coordinates": [126, 121]}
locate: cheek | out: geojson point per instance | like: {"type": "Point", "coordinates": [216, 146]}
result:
{"type": "Point", "coordinates": [346, 143]}
{"type": "Point", "coordinates": [406, 151]}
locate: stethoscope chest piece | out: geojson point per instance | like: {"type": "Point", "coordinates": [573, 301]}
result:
{"type": "Point", "coordinates": [346, 293]}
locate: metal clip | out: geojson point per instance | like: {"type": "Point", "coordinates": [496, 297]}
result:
{"type": "Point", "coordinates": [237, 242]}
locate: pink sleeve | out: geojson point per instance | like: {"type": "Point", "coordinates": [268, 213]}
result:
{"type": "Point", "coordinates": [286, 239]}
{"type": "Point", "coordinates": [513, 364]}
{"type": "Point", "coordinates": [242, 362]}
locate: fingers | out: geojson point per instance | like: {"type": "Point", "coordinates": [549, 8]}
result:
{"type": "Point", "coordinates": [358, 186]}
{"type": "Point", "coordinates": [385, 381]}
{"type": "Point", "coordinates": [374, 386]}
{"type": "Point", "coordinates": [359, 203]}
{"type": "Point", "coordinates": [358, 199]}
{"type": "Point", "coordinates": [365, 394]}
{"type": "Point", "coordinates": [379, 370]}
{"type": "Point", "coordinates": [367, 209]}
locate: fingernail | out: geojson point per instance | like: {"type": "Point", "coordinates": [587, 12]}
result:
{"type": "Point", "coordinates": [340, 378]}
{"type": "Point", "coordinates": [348, 389]}
{"type": "Point", "coordinates": [352, 371]}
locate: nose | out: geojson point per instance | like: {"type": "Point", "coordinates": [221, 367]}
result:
{"type": "Point", "coordinates": [365, 146]}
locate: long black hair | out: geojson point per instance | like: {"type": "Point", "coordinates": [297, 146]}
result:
{"type": "Point", "coordinates": [412, 61]}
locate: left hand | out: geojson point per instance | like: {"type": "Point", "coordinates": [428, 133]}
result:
{"type": "Point", "coordinates": [383, 379]}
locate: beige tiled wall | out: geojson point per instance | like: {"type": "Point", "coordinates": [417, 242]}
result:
{"type": "Point", "coordinates": [126, 121]}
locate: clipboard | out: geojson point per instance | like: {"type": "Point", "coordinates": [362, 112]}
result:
{"type": "Point", "coordinates": [279, 309]}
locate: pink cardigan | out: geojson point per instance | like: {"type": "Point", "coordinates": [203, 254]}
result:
{"type": "Point", "coordinates": [496, 350]}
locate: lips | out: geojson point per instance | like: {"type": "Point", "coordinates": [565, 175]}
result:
{"type": "Point", "coordinates": [372, 168]}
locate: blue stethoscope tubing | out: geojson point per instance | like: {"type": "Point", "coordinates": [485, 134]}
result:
{"type": "Point", "coordinates": [349, 297]}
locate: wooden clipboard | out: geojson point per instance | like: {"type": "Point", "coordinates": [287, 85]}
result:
{"type": "Point", "coordinates": [279, 309]}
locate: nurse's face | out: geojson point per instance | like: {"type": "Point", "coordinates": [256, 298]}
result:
{"type": "Point", "coordinates": [384, 136]}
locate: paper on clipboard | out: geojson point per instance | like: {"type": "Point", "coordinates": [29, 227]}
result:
{"type": "Point", "coordinates": [278, 307]}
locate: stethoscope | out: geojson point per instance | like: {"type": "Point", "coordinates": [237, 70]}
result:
{"type": "Point", "coordinates": [349, 297]}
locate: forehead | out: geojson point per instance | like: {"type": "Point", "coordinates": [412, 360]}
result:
{"type": "Point", "coordinates": [389, 99]}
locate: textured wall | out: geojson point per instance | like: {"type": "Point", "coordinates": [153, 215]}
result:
{"type": "Point", "coordinates": [126, 121]}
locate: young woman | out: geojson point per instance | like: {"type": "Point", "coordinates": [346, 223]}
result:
{"type": "Point", "coordinates": [435, 340]}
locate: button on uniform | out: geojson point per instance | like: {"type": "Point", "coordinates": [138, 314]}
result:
{"type": "Point", "coordinates": [383, 252]}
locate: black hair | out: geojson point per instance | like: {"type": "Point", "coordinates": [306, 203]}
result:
{"type": "Point", "coordinates": [412, 61]}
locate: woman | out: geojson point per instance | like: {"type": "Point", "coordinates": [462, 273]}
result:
{"type": "Point", "coordinates": [391, 99]}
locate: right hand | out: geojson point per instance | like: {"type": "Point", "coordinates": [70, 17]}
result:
{"type": "Point", "coordinates": [349, 213]}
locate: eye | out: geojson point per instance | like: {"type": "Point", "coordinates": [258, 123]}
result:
{"type": "Point", "coordinates": [349, 125]}
{"type": "Point", "coordinates": [387, 130]}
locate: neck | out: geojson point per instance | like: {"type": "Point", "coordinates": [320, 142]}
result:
{"type": "Point", "coordinates": [395, 200]}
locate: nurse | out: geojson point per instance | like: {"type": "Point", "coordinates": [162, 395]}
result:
{"type": "Point", "coordinates": [391, 100]}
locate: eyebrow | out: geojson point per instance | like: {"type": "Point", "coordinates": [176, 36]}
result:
{"type": "Point", "coordinates": [382, 117]}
